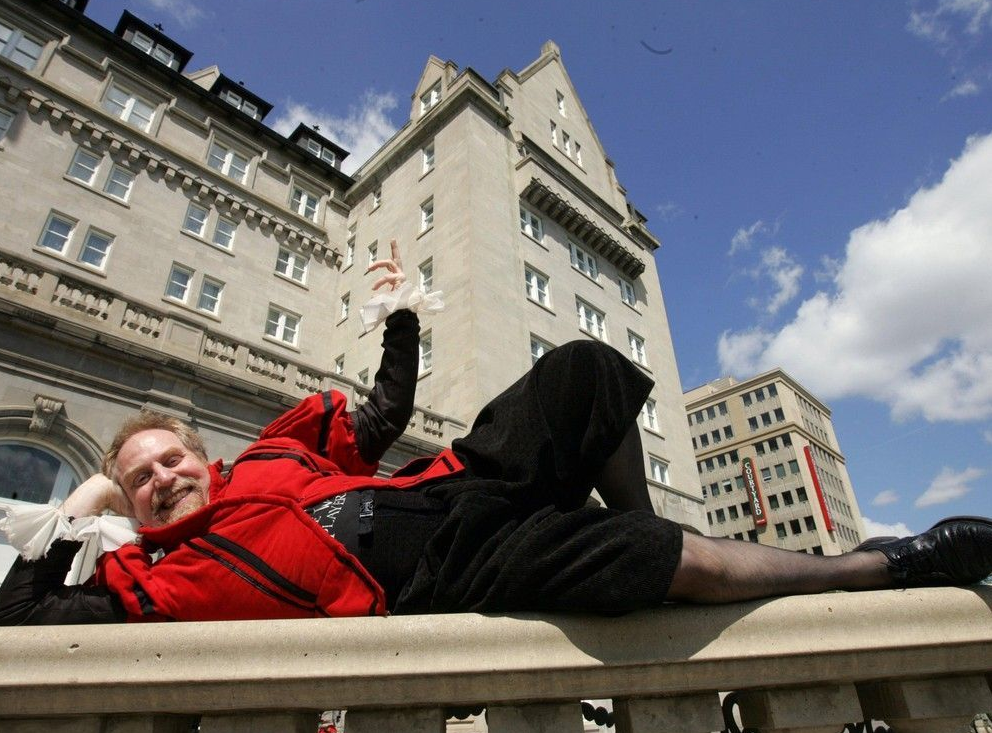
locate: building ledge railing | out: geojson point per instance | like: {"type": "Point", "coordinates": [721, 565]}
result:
{"type": "Point", "coordinates": [917, 659]}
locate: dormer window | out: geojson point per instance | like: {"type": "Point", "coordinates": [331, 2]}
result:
{"type": "Point", "coordinates": [430, 98]}
{"type": "Point", "coordinates": [325, 154]}
{"type": "Point", "coordinates": [156, 50]}
{"type": "Point", "coordinates": [310, 139]}
{"type": "Point", "coordinates": [151, 40]}
{"type": "Point", "coordinates": [236, 100]}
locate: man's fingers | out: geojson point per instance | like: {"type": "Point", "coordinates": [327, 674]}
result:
{"type": "Point", "coordinates": [394, 281]}
{"type": "Point", "coordinates": [394, 248]}
{"type": "Point", "coordinates": [379, 264]}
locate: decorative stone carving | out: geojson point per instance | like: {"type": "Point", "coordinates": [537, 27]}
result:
{"type": "Point", "coordinates": [46, 410]}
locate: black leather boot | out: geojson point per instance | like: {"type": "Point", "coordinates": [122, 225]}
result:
{"type": "Point", "coordinates": [955, 551]}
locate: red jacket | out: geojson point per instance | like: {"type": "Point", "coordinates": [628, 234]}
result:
{"type": "Point", "coordinates": [253, 552]}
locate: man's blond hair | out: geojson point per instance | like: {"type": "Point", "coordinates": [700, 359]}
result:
{"type": "Point", "coordinates": [151, 420]}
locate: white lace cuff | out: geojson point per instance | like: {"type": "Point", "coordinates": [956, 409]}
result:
{"type": "Point", "coordinates": [32, 528]}
{"type": "Point", "coordinates": [405, 296]}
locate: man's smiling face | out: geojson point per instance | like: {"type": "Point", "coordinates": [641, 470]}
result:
{"type": "Point", "coordinates": [163, 478]}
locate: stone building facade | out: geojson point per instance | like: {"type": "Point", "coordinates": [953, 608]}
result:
{"type": "Point", "coordinates": [770, 465]}
{"type": "Point", "coordinates": [162, 247]}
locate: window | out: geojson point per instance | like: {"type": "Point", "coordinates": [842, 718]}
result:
{"type": "Point", "coordinates": [196, 220]}
{"type": "Point", "coordinates": [722, 408]}
{"type": "Point", "coordinates": [236, 100]}
{"type": "Point", "coordinates": [430, 98]}
{"type": "Point", "coordinates": [578, 153]}
{"type": "Point", "coordinates": [339, 365]}
{"type": "Point", "coordinates": [759, 448]}
{"type": "Point", "coordinates": [325, 154]}
{"type": "Point", "coordinates": [17, 47]}
{"type": "Point", "coordinates": [179, 280]}
{"type": "Point", "coordinates": [780, 470]}
{"type": "Point", "coordinates": [649, 415]}
{"type": "Point", "coordinates": [128, 107]}
{"type": "Point", "coordinates": [787, 498]}
{"type": "Point", "coordinates": [637, 352]}
{"type": "Point", "coordinates": [33, 473]}
{"type": "Point", "coordinates": [746, 509]}
{"type": "Point", "coordinates": [305, 203]}
{"type": "Point", "coordinates": [728, 432]}
{"type": "Point", "coordinates": [711, 413]}
{"type": "Point", "coordinates": [766, 419]}
{"type": "Point", "coordinates": [739, 481]}
{"type": "Point", "coordinates": [84, 165]}
{"type": "Point", "coordinates": [554, 134]}
{"type": "Point", "coordinates": [780, 530]}
{"type": "Point", "coordinates": [376, 198]}
{"type": "Point", "coordinates": [715, 435]}
{"type": "Point", "coordinates": [427, 159]}
{"type": "Point", "coordinates": [810, 524]}
{"type": "Point", "coordinates": [659, 471]}
{"type": "Point", "coordinates": [779, 414]}
{"type": "Point", "coordinates": [766, 474]}
{"type": "Point", "coordinates": [363, 376]}
{"type": "Point", "coordinates": [157, 51]}
{"type": "Point", "coordinates": [119, 183]}
{"type": "Point", "coordinates": [345, 306]}
{"type": "Point", "coordinates": [752, 422]}
{"type": "Point", "coordinates": [426, 275]}
{"type": "Point", "coordinates": [591, 321]}
{"type": "Point", "coordinates": [95, 248]}
{"type": "Point", "coordinates": [561, 103]}
{"type": "Point", "coordinates": [373, 251]}
{"type": "Point", "coordinates": [6, 120]}
{"type": "Point", "coordinates": [566, 143]}
{"type": "Point", "coordinates": [773, 501]}
{"type": "Point", "coordinates": [282, 325]}
{"type": "Point", "coordinates": [292, 265]}
{"type": "Point", "coordinates": [57, 233]}
{"type": "Point", "coordinates": [425, 353]}
{"type": "Point", "coordinates": [793, 466]}
{"type": "Point", "coordinates": [732, 511]}
{"type": "Point", "coordinates": [229, 162]}
{"type": "Point", "coordinates": [349, 252]}
{"type": "Point", "coordinates": [209, 299]}
{"type": "Point", "coordinates": [746, 399]}
{"type": "Point", "coordinates": [531, 224]}
{"type": "Point", "coordinates": [704, 440]}
{"type": "Point", "coordinates": [627, 294]}
{"type": "Point", "coordinates": [538, 348]}
{"type": "Point", "coordinates": [794, 526]}
{"type": "Point", "coordinates": [427, 215]}
{"type": "Point", "coordinates": [714, 489]}
{"type": "Point", "coordinates": [721, 515]}
{"type": "Point", "coordinates": [772, 390]}
{"type": "Point", "coordinates": [537, 287]}
{"type": "Point", "coordinates": [801, 494]}
{"type": "Point", "coordinates": [817, 550]}
{"type": "Point", "coordinates": [759, 394]}
{"type": "Point", "coordinates": [583, 261]}
{"type": "Point", "coordinates": [224, 233]}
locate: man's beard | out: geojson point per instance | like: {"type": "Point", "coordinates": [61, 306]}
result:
{"type": "Point", "coordinates": [184, 497]}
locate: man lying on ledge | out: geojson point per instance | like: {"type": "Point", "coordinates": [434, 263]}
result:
{"type": "Point", "coordinates": [301, 527]}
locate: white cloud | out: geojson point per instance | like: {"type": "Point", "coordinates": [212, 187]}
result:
{"type": "Point", "coordinates": [967, 88]}
{"type": "Point", "coordinates": [939, 21]}
{"type": "Point", "coordinates": [878, 529]}
{"type": "Point", "coordinates": [186, 12]}
{"type": "Point", "coordinates": [361, 132]}
{"type": "Point", "coordinates": [884, 498]}
{"type": "Point", "coordinates": [785, 272]}
{"type": "Point", "coordinates": [948, 486]}
{"type": "Point", "coordinates": [668, 211]}
{"type": "Point", "coordinates": [908, 319]}
{"type": "Point", "coordinates": [744, 236]}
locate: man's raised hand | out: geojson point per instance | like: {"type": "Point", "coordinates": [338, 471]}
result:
{"type": "Point", "coordinates": [394, 265]}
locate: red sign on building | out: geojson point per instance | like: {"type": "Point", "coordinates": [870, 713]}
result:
{"type": "Point", "coordinates": [827, 519]}
{"type": "Point", "coordinates": [750, 477]}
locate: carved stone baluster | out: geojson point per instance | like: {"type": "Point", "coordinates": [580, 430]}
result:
{"type": "Point", "coordinates": [407, 720]}
{"type": "Point", "coordinates": [920, 706]}
{"type": "Point", "coordinates": [253, 722]}
{"type": "Point", "coordinates": [542, 718]}
{"type": "Point", "coordinates": [803, 710]}
{"type": "Point", "coordinates": [686, 714]}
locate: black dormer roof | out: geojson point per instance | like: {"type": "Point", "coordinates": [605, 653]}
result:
{"type": "Point", "coordinates": [303, 131]}
{"type": "Point", "coordinates": [225, 83]}
{"type": "Point", "coordinates": [131, 22]}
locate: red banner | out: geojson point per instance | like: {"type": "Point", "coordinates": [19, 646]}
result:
{"type": "Point", "coordinates": [753, 493]}
{"type": "Point", "coordinates": [827, 519]}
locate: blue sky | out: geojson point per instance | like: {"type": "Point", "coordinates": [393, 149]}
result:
{"type": "Point", "coordinates": [820, 175]}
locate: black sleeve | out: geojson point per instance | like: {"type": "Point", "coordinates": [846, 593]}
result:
{"type": "Point", "coordinates": [33, 593]}
{"type": "Point", "coordinates": [382, 419]}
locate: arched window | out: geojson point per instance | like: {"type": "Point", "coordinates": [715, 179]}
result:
{"type": "Point", "coordinates": [33, 473]}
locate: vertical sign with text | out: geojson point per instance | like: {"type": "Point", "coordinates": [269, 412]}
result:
{"type": "Point", "coordinates": [749, 474]}
{"type": "Point", "coordinates": [827, 519]}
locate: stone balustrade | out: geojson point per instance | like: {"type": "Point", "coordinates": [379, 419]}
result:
{"type": "Point", "coordinates": [111, 316]}
{"type": "Point", "coordinates": [917, 659]}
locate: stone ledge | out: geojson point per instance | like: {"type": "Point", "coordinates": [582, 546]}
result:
{"type": "Point", "coordinates": [423, 661]}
